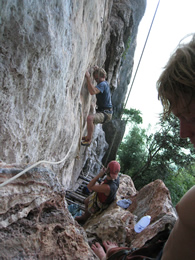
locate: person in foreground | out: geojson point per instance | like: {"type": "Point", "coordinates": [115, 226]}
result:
{"type": "Point", "coordinates": [176, 90]}
{"type": "Point", "coordinates": [104, 105]}
{"type": "Point", "coordinates": [103, 194]}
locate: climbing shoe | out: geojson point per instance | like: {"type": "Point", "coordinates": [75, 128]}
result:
{"type": "Point", "coordinates": [85, 142]}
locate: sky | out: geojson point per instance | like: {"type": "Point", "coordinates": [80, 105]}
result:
{"type": "Point", "coordinates": [173, 21]}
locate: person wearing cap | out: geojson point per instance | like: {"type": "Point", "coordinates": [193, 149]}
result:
{"type": "Point", "coordinates": [103, 194]}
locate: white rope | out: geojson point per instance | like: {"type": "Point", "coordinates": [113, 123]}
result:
{"type": "Point", "coordinates": [34, 165]}
{"type": "Point", "coordinates": [141, 54]}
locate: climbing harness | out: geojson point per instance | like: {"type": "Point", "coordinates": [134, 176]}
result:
{"type": "Point", "coordinates": [104, 111]}
{"type": "Point", "coordinates": [105, 116]}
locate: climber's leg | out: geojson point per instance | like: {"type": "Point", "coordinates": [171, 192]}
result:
{"type": "Point", "coordinates": [86, 141]}
{"type": "Point", "coordinates": [90, 126]}
{"type": "Point", "coordinates": [92, 120]}
{"type": "Point", "coordinates": [82, 219]}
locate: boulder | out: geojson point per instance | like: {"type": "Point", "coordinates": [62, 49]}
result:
{"type": "Point", "coordinates": [34, 220]}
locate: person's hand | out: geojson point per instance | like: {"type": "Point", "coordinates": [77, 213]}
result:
{"type": "Point", "coordinates": [87, 74]}
{"type": "Point", "coordinates": [95, 67]}
{"type": "Point", "coordinates": [102, 172]}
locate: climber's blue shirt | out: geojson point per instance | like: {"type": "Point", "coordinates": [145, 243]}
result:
{"type": "Point", "coordinates": [104, 97]}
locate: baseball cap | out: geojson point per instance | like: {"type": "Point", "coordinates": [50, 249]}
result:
{"type": "Point", "coordinates": [114, 167]}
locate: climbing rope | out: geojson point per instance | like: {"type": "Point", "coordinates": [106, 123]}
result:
{"type": "Point", "coordinates": [37, 163]}
{"type": "Point", "coordinates": [111, 145]}
{"type": "Point", "coordinates": [95, 155]}
{"type": "Point", "coordinates": [109, 151]}
{"type": "Point", "coordinates": [142, 53]}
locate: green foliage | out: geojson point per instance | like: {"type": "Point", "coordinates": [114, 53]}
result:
{"type": "Point", "coordinates": [179, 183]}
{"type": "Point", "coordinates": [162, 155]}
{"type": "Point", "coordinates": [132, 115]}
{"type": "Point", "coordinates": [131, 151]}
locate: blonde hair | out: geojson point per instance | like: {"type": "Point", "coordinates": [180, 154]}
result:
{"type": "Point", "coordinates": [177, 81]}
{"type": "Point", "coordinates": [100, 71]}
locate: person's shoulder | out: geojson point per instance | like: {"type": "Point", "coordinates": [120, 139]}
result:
{"type": "Point", "coordinates": [101, 86]}
{"type": "Point", "coordinates": [189, 197]}
{"type": "Point", "coordinates": [185, 208]}
{"type": "Point", "coordinates": [102, 83]}
{"type": "Point", "coordinates": [106, 83]}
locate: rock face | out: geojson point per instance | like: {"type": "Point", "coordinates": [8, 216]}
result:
{"type": "Point", "coordinates": [34, 219]}
{"type": "Point", "coordinates": [124, 15]}
{"type": "Point", "coordinates": [44, 100]}
{"type": "Point", "coordinates": [35, 222]}
{"type": "Point", "coordinates": [45, 50]}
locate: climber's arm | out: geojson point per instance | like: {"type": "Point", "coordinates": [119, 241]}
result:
{"type": "Point", "coordinates": [104, 188]}
{"type": "Point", "coordinates": [91, 88]}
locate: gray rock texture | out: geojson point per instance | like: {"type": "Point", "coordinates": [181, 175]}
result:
{"type": "Point", "coordinates": [45, 49]}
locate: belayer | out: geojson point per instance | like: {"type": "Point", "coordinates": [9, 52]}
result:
{"type": "Point", "coordinates": [103, 194]}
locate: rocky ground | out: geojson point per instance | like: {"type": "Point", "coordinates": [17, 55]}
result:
{"type": "Point", "coordinates": [35, 222]}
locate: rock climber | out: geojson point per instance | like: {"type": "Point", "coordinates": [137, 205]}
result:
{"type": "Point", "coordinates": [176, 90]}
{"type": "Point", "coordinates": [104, 105]}
{"type": "Point", "coordinates": [103, 194]}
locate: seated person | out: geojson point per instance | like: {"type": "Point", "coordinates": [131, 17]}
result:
{"type": "Point", "coordinates": [104, 194]}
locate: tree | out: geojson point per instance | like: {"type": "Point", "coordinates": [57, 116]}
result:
{"type": "Point", "coordinates": [133, 142]}
{"type": "Point", "coordinates": [131, 152]}
{"type": "Point", "coordinates": [155, 156]}
{"type": "Point", "coordinates": [166, 152]}
{"type": "Point", "coordinates": [132, 116]}
{"type": "Point", "coordinates": [180, 182]}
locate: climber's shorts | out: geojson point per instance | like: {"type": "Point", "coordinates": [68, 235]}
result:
{"type": "Point", "coordinates": [102, 117]}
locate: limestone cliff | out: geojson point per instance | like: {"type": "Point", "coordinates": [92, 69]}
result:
{"type": "Point", "coordinates": [45, 49]}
